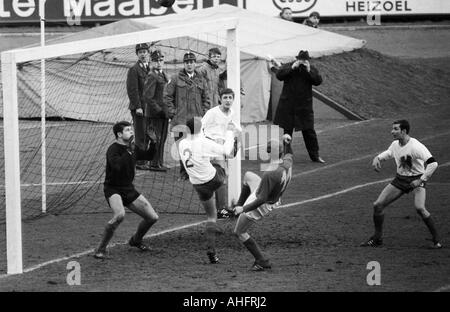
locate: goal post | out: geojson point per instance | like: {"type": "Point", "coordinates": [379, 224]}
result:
{"type": "Point", "coordinates": [11, 59]}
{"type": "Point", "coordinates": [12, 164]}
{"type": "Point", "coordinates": [233, 72]}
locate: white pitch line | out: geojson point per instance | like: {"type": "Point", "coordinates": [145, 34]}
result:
{"type": "Point", "coordinates": [307, 201]}
{"type": "Point", "coordinates": [89, 251]}
{"type": "Point", "coordinates": [332, 165]}
{"type": "Point", "coordinates": [251, 147]}
{"type": "Point", "coordinates": [77, 255]}
{"type": "Point", "coordinates": [360, 158]}
{"type": "Point", "coordinates": [346, 125]}
{"type": "Point", "coordinates": [33, 268]}
{"type": "Point", "coordinates": [319, 131]}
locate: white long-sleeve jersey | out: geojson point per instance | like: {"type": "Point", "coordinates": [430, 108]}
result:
{"type": "Point", "coordinates": [215, 123]}
{"type": "Point", "coordinates": [196, 153]}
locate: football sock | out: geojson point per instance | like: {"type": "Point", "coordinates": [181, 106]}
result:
{"type": "Point", "coordinates": [107, 235]}
{"type": "Point", "coordinates": [245, 193]}
{"type": "Point", "coordinates": [253, 247]}
{"type": "Point", "coordinates": [211, 230]}
{"type": "Point", "coordinates": [221, 197]}
{"type": "Point", "coordinates": [432, 228]}
{"type": "Point", "coordinates": [378, 222]}
{"type": "Point", "coordinates": [142, 229]}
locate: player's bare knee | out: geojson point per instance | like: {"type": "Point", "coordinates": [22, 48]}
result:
{"type": "Point", "coordinates": [151, 218]}
{"type": "Point", "coordinates": [378, 208]}
{"type": "Point", "coordinates": [117, 219]}
{"type": "Point", "coordinates": [120, 217]}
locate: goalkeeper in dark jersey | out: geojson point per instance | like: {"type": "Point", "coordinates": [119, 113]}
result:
{"type": "Point", "coordinates": [120, 192]}
{"type": "Point", "coordinates": [258, 197]}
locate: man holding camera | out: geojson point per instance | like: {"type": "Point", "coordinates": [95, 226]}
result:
{"type": "Point", "coordinates": [295, 107]}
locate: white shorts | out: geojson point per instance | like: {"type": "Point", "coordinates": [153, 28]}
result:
{"type": "Point", "coordinates": [261, 211]}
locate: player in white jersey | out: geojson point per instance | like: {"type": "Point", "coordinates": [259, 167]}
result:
{"type": "Point", "coordinates": [415, 165]}
{"type": "Point", "coordinates": [196, 152]}
{"type": "Point", "coordinates": [214, 126]}
{"type": "Point", "coordinates": [258, 197]}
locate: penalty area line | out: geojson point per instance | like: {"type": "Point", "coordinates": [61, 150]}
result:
{"type": "Point", "coordinates": [89, 251]}
{"type": "Point", "coordinates": [347, 190]}
{"type": "Point", "coordinates": [86, 252]}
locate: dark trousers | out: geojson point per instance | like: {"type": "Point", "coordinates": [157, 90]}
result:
{"type": "Point", "coordinates": [159, 127]}
{"type": "Point", "coordinates": [311, 143]}
{"type": "Point", "coordinates": [139, 136]}
{"type": "Point", "coordinates": [183, 172]}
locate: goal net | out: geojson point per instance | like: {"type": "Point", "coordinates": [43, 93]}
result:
{"type": "Point", "coordinates": [56, 164]}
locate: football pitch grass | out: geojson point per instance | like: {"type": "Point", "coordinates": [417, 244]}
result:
{"type": "Point", "coordinates": [312, 240]}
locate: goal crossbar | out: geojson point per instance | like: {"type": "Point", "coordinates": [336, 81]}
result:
{"type": "Point", "coordinates": [116, 41]}
{"type": "Point", "coordinates": [9, 61]}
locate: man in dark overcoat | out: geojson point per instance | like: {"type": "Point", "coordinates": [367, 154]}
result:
{"type": "Point", "coordinates": [186, 96]}
{"type": "Point", "coordinates": [156, 112]}
{"type": "Point", "coordinates": [295, 107]}
{"type": "Point", "coordinates": [136, 77]}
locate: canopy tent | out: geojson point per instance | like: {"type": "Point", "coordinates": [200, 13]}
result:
{"type": "Point", "coordinates": [72, 81]}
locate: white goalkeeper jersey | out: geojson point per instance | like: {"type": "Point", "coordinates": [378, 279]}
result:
{"type": "Point", "coordinates": [196, 153]}
{"type": "Point", "coordinates": [215, 123]}
{"type": "Point", "coordinates": [409, 158]}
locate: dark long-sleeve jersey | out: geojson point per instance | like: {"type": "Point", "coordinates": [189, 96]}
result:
{"type": "Point", "coordinates": [274, 183]}
{"type": "Point", "coordinates": [120, 166]}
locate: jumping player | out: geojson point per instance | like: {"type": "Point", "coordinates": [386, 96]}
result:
{"type": "Point", "coordinates": [196, 152]}
{"type": "Point", "coordinates": [415, 166]}
{"type": "Point", "coordinates": [120, 192]}
{"type": "Point", "coordinates": [258, 197]}
{"type": "Point", "coordinates": [214, 126]}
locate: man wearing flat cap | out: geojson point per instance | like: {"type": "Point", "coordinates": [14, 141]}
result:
{"type": "Point", "coordinates": [156, 112]}
{"type": "Point", "coordinates": [186, 96]}
{"type": "Point", "coordinates": [295, 107]}
{"type": "Point", "coordinates": [135, 89]}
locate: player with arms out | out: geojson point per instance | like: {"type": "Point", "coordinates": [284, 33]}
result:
{"type": "Point", "coordinates": [196, 152]}
{"type": "Point", "coordinates": [415, 166]}
{"type": "Point", "coordinates": [120, 192]}
{"type": "Point", "coordinates": [258, 197]}
{"type": "Point", "coordinates": [214, 126]}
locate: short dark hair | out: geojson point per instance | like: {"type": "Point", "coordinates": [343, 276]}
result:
{"type": "Point", "coordinates": [226, 91]}
{"type": "Point", "coordinates": [404, 124]}
{"type": "Point", "coordinates": [194, 124]}
{"type": "Point", "coordinates": [119, 126]}
{"type": "Point", "coordinates": [214, 51]}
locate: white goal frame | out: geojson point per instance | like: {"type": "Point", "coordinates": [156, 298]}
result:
{"type": "Point", "coordinates": [9, 61]}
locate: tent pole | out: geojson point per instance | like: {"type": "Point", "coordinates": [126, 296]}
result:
{"type": "Point", "coordinates": [43, 100]}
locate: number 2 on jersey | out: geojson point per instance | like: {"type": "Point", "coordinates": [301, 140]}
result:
{"type": "Point", "coordinates": [188, 163]}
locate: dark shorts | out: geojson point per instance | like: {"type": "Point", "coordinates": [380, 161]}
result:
{"type": "Point", "coordinates": [206, 190]}
{"type": "Point", "coordinates": [403, 183]}
{"type": "Point", "coordinates": [127, 193]}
